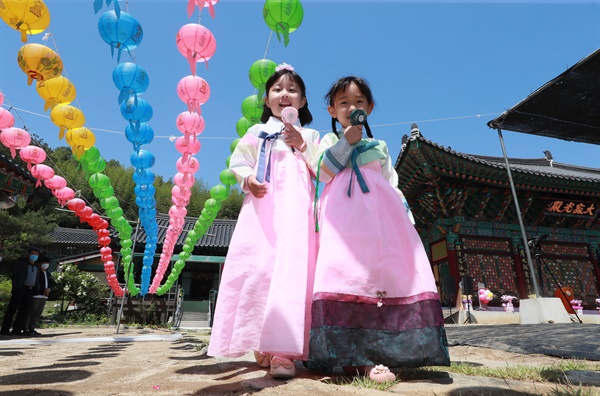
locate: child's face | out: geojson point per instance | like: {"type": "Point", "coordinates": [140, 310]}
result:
{"type": "Point", "coordinates": [345, 103]}
{"type": "Point", "coordinates": [284, 93]}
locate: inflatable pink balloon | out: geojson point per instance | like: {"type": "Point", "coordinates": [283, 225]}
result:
{"type": "Point", "coordinates": [33, 155]}
{"type": "Point", "coordinates": [7, 120]}
{"type": "Point", "coordinates": [15, 138]}
{"type": "Point", "coordinates": [188, 122]}
{"type": "Point", "coordinates": [56, 183]}
{"type": "Point", "coordinates": [42, 172]}
{"type": "Point", "coordinates": [196, 43]}
{"type": "Point", "coordinates": [63, 195]}
{"type": "Point", "coordinates": [201, 4]}
{"type": "Point", "coordinates": [190, 166]}
{"type": "Point", "coordinates": [194, 91]}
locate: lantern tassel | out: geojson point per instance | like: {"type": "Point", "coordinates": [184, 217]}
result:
{"type": "Point", "coordinates": [190, 7]}
{"type": "Point", "coordinates": [191, 61]}
{"type": "Point", "coordinates": [97, 5]}
{"type": "Point", "coordinates": [13, 152]}
{"type": "Point", "coordinates": [39, 183]}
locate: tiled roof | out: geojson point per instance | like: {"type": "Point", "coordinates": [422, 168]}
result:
{"type": "Point", "coordinates": [74, 236]}
{"type": "Point", "coordinates": [536, 166]}
{"type": "Point", "coordinates": [11, 165]}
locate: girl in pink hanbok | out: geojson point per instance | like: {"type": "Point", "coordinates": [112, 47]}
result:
{"type": "Point", "coordinates": [375, 300]}
{"type": "Point", "coordinates": [264, 297]}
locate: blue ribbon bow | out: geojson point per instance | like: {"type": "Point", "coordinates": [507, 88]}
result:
{"type": "Point", "coordinates": [355, 169]}
{"type": "Point", "coordinates": [260, 176]}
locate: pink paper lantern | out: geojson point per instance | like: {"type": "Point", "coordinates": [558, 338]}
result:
{"type": "Point", "coordinates": [201, 4]}
{"type": "Point", "coordinates": [194, 91]}
{"type": "Point", "coordinates": [41, 172]}
{"type": "Point", "coordinates": [188, 122]}
{"type": "Point", "coordinates": [15, 138]}
{"type": "Point", "coordinates": [191, 165]}
{"type": "Point", "coordinates": [7, 120]}
{"type": "Point", "coordinates": [184, 180]}
{"type": "Point", "coordinates": [63, 195]}
{"type": "Point", "coordinates": [196, 43]}
{"type": "Point", "coordinates": [56, 183]}
{"type": "Point", "coordinates": [76, 205]}
{"type": "Point", "coordinates": [33, 155]}
{"type": "Point", "coordinates": [187, 146]}
{"type": "Point", "coordinates": [175, 211]}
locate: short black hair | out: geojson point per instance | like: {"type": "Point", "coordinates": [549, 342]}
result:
{"type": "Point", "coordinates": [341, 85]}
{"type": "Point", "coordinates": [303, 113]}
{"type": "Point", "coordinates": [32, 248]}
{"type": "Point", "coordinates": [43, 259]}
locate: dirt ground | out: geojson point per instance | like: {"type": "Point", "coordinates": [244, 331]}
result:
{"type": "Point", "coordinates": [98, 361]}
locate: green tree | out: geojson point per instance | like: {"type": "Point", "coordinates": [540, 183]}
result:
{"type": "Point", "coordinates": [81, 288]}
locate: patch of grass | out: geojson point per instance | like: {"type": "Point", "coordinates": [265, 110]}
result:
{"type": "Point", "coordinates": [552, 373]}
{"type": "Point", "coordinates": [568, 389]}
{"type": "Point", "coordinates": [360, 381]}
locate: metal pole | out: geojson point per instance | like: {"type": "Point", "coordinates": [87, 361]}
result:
{"type": "Point", "coordinates": [137, 226]}
{"type": "Point", "coordinates": [523, 233]}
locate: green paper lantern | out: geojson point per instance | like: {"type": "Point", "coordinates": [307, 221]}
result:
{"type": "Point", "coordinates": [126, 243]}
{"type": "Point", "coordinates": [94, 167]}
{"type": "Point", "coordinates": [283, 17]}
{"type": "Point", "coordinates": [242, 126]}
{"type": "Point", "coordinates": [99, 181]}
{"type": "Point", "coordinates": [228, 161]}
{"type": "Point", "coordinates": [218, 192]}
{"type": "Point", "coordinates": [185, 255]}
{"type": "Point", "coordinates": [234, 144]}
{"type": "Point", "coordinates": [259, 73]}
{"type": "Point", "coordinates": [115, 213]}
{"type": "Point", "coordinates": [188, 248]}
{"type": "Point", "coordinates": [109, 203]}
{"type": "Point", "coordinates": [252, 108]}
{"type": "Point", "coordinates": [207, 214]}
{"type": "Point", "coordinates": [90, 155]}
{"type": "Point", "coordinates": [212, 205]}
{"type": "Point", "coordinates": [227, 177]}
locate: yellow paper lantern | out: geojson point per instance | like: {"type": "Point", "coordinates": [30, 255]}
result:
{"type": "Point", "coordinates": [25, 16]}
{"type": "Point", "coordinates": [39, 62]}
{"type": "Point", "coordinates": [80, 139]}
{"type": "Point", "coordinates": [55, 91]}
{"type": "Point", "coordinates": [66, 117]}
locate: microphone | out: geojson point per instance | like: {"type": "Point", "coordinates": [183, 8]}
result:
{"type": "Point", "coordinates": [358, 117]}
{"type": "Point", "coordinates": [289, 115]}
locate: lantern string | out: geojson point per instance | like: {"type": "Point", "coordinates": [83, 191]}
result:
{"type": "Point", "coordinates": [268, 43]}
{"type": "Point", "coordinates": [48, 158]}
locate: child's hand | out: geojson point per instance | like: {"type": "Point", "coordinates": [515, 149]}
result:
{"type": "Point", "coordinates": [256, 188]}
{"type": "Point", "coordinates": [353, 134]}
{"type": "Point", "coordinates": [292, 136]}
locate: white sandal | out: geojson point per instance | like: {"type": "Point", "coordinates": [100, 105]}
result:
{"type": "Point", "coordinates": [381, 374]}
{"type": "Point", "coordinates": [263, 359]}
{"type": "Point", "coordinates": [282, 368]}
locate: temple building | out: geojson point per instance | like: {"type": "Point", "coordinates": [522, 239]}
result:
{"type": "Point", "coordinates": [467, 220]}
{"type": "Point", "coordinates": [14, 181]}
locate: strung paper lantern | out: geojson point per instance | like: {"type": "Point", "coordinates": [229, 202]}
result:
{"type": "Point", "coordinates": [15, 138]}
{"type": "Point", "coordinates": [142, 159]}
{"type": "Point", "coordinates": [58, 90]}
{"type": "Point", "coordinates": [196, 43]}
{"type": "Point", "coordinates": [242, 126]}
{"type": "Point", "coordinates": [201, 4]}
{"type": "Point", "coordinates": [187, 146]}
{"type": "Point", "coordinates": [227, 177]}
{"type": "Point", "coordinates": [252, 108]}
{"type": "Point", "coordinates": [122, 31]}
{"type": "Point", "coordinates": [283, 17]}
{"type": "Point", "coordinates": [7, 120]}
{"type": "Point", "coordinates": [99, 181]}
{"type": "Point", "coordinates": [188, 122]}
{"type": "Point", "coordinates": [143, 176]}
{"type": "Point", "coordinates": [55, 182]}
{"type": "Point", "coordinates": [191, 165]}
{"type": "Point", "coordinates": [80, 139]}
{"type": "Point", "coordinates": [63, 195]}
{"type": "Point", "coordinates": [33, 155]}
{"type": "Point", "coordinates": [26, 16]}
{"type": "Point", "coordinates": [41, 172]}
{"type": "Point", "coordinates": [76, 204]}
{"type": "Point", "coordinates": [136, 113]}
{"type": "Point", "coordinates": [39, 62]}
{"type": "Point", "coordinates": [144, 134]}
{"type": "Point", "coordinates": [130, 80]}
{"type": "Point", "coordinates": [194, 91]}
{"type": "Point", "coordinates": [66, 117]}
{"type": "Point", "coordinates": [259, 73]}
{"type": "Point", "coordinates": [184, 180]}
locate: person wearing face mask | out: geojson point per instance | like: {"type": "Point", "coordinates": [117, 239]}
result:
{"type": "Point", "coordinates": [24, 277]}
{"type": "Point", "coordinates": [44, 285]}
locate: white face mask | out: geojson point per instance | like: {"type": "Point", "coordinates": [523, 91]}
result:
{"type": "Point", "coordinates": [45, 266]}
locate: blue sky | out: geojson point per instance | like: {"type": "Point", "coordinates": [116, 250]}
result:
{"type": "Point", "coordinates": [449, 66]}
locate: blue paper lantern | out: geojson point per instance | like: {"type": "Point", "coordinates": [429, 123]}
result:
{"type": "Point", "coordinates": [121, 32]}
{"type": "Point", "coordinates": [130, 79]}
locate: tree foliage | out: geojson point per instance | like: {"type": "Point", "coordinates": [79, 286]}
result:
{"type": "Point", "coordinates": [82, 289]}
{"type": "Point", "coordinates": [30, 221]}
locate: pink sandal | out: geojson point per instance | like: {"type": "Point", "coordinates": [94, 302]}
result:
{"type": "Point", "coordinates": [282, 368]}
{"type": "Point", "coordinates": [380, 374]}
{"type": "Point", "coordinates": [263, 359]}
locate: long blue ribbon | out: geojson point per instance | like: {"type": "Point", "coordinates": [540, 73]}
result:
{"type": "Point", "coordinates": [355, 169]}
{"type": "Point", "coordinates": [263, 153]}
